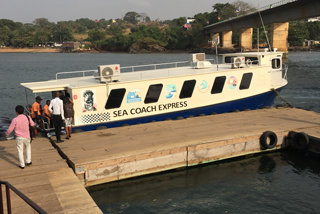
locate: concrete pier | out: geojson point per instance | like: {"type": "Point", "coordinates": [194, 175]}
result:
{"type": "Point", "coordinates": [120, 153]}
{"type": "Point", "coordinates": [108, 155]}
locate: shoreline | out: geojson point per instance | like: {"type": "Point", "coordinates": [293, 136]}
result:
{"type": "Point", "coordinates": [29, 50]}
{"type": "Point", "coordinates": [59, 50]}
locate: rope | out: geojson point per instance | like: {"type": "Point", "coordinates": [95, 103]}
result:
{"type": "Point", "coordinates": [288, 104]}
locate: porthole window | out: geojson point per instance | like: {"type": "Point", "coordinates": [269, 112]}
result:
{"type": "Point", "coordinates": [187, 89]}
{"type": "Point", "coordinates": [246, 80]}
{"type": "Point", "coordinates": [218, 85]}
{"type": "Point", "coordinates": [153, 93]}
{"type": "Point", "coordinates": [276, 63]}
{"type": "Point", "coordinates": [115, 98]}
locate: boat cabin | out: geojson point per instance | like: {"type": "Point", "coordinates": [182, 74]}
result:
{"type": "Point", "coordinates": [112, 95]}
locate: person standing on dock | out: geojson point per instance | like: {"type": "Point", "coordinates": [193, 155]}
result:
{"type": "Point", "coordinates": [56, 108]}
{"type": "Point", "coordinates": [35, 111]}
{"type": "Point", "coordinates": [46, 113]}
{"type": "Point", "coordinates": [68, 114]}
{"type": "Point", "coordinates": [20, 125]}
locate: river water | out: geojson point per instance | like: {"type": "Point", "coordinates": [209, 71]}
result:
{"type": "Point", "coordinates": [282, 182]}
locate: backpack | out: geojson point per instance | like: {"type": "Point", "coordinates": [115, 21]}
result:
{"type": "Point", "coordinates": [68, 110]}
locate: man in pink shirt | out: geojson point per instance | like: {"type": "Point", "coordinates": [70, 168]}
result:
{"type": "Point", "coordinates": [20, 125]}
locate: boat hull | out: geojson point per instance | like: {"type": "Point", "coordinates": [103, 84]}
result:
{"type": "Point", "coordinates": [253, 102]}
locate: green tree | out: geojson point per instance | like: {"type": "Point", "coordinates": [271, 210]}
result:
{"type": "Point", "coordinates": [88, 23]}
{"type": "Point", "coordinates": [131, 17]}
{"type": "Point", "coordinates": [114, 30]}
{"type": "Point", "coordinates": [62, 34]}
{"type": "Point", "coordinates": [243, 7]}
{"type": "Point", "coordinates": [314, 30]}
{"type": "Point", "coordinates": [96, 35]}
{"type": "Point", "coordinates": [10, 24]}
{"type": "Point", "coordinates": [224, 11]}
{"type": "Point", "coordinates": [197, 36]}
{"type": "Point", "coordinates": [41, 22]}
{"type": "Point", "coordinates": [81, 30]}
{"type": "Point", "coordinates": [5, 33]}
{"type": "Point", "coordinates": [298, 32]}
{"type": "Point", "coordinates": [42, 36]}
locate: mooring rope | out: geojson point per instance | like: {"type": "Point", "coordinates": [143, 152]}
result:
{"type": "Point", "coordinates": [288, 104]}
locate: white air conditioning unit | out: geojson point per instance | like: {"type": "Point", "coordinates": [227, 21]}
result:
{"type": "Point", "coordinates": [199, 61]}
{"type": "Point", "coordinates": [201, 64]}
{"type": "Point", "coordinates": [237, 62]}
{"type": "Point", "coordinates": [197, 57]}
{"type": "Point", "coordinates": [109, 73]}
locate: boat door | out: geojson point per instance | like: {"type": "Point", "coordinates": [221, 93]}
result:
{"type": "Point", "coordinates": [276, 71]}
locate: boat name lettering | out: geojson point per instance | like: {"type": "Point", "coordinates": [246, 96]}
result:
{"type": "Point", "coordinates": [173, 105]}
{"type": "Point", "coordinates": [148, 109]}
{"type": "Point", "coordinates": [143, 109]}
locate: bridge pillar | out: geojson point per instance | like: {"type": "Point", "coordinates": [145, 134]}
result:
{"type": "Point", "coordinates": [227, 39]}
{"type": "Point", "coordinates": [246, 38]}
{"type": "Point", "coordinates": [279, 36]}
{"type": "Point", "coordinates": [214, 39]}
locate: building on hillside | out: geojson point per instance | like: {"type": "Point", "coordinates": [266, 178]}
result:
{"type": "Point", "coordinates": [74, 45]}
{"type": "Point", "coordinates": [310, 42]}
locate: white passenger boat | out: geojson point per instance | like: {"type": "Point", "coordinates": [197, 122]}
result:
{"type": "Point", "coordinates": [112, 96]}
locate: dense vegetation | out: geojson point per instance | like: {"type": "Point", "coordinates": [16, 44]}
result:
{"type": "Point", "coordinates": [137, 31]}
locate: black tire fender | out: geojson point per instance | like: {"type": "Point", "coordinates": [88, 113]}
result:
{"type": "Point", "coordinates": [300, 141]}
{"type": "Point", "coordinates": [268, 140]}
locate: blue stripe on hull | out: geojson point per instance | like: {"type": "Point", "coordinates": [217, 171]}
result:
{"type": "Point", "coordinates": [254, 102]}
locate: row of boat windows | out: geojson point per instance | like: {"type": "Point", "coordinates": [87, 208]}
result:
{"type": "Point", "coordinates": [116, 95]}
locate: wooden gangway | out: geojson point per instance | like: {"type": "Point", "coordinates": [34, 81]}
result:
{"type": "Point", "coordinates": [49, 182]}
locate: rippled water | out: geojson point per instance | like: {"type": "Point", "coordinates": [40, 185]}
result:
{"type": "Point", "coordinates": [286, 182]}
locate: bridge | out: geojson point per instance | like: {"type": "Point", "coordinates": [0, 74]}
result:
{"type": "Point", "coordinates": [277, 15]}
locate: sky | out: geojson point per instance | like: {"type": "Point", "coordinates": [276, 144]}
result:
{"type": "Point", "coordinates": [26, 11]}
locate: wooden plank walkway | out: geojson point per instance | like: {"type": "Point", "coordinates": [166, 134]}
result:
{"type": "Point", "coordinates": [113, 154]}
{"type": "Point", "coordinates": [49, 181]}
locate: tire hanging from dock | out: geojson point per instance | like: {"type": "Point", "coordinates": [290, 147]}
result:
{"type": "Point", "coordinates": [268, 140]}
{"type": "Point", "coordinates": [300, 141]}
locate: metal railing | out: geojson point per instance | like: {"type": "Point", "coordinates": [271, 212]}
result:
{"type": "Point", "coordinates": [75, 72]}
{"type": "Point", "coordinates": [155, 65]}
{"type": "Point", "coordinates": [285, 69]}
{"type": "Point", "coordinates": [20, 194]}
{"type": "Point", "coordinates": [131, 70]}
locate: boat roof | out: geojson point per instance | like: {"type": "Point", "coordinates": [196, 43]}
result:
{"type": "Point", "coordinates": [60, 84]}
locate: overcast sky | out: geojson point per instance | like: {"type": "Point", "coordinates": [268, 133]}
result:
{"type": "Point", "coordinates": [26, 11]}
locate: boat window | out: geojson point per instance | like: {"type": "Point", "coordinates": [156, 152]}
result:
{"type": "Point", "coordinates": [276, 63]}
{"type": "Point", "coordinates": [187, 89]}
{"type": "Point", "coordinates": [246, 80]}
{"type": "Point", "coordinates": [218, 85]}
{"type": "Point", "coordinates": [153, 93]}
{"type": "Point", "coordinates": [115, 98]}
